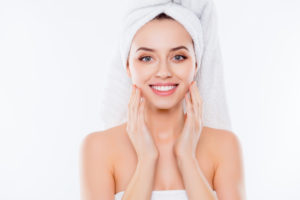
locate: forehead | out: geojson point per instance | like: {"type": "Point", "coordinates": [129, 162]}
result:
{"type": "Point", "coordinates": [162, 34]}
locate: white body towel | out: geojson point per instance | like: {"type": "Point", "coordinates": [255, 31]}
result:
{"type": "Point", "coordinates": [163, 195]}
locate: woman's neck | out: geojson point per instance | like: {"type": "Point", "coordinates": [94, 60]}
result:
{"type": "Point", "coordinates": [165, 125]}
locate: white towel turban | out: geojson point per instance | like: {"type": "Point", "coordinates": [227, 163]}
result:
{"type": "Point", "coordinates": [199, 19]}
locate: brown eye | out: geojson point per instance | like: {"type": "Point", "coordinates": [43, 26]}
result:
{"type": "Point", "coordinates": [141, 58]}
{"type": "Point", "coordinates": [178, 56]}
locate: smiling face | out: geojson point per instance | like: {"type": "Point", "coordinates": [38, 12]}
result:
{"type": "Point", "coordinates": [151, 60]}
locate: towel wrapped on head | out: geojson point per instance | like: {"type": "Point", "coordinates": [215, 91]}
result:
{"type": "Point", "coordinates": [199, 18]}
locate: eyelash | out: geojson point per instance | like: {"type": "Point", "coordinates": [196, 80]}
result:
{"type": "Point", "coordinates": [141, 58]}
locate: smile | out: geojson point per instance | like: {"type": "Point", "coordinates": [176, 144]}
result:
{"type": "Point", "coordinates": [164, 90]}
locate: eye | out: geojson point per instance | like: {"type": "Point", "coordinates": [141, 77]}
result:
{"type": "Point", "coordinates": [141, 58]}
{"type": "Point", "coordinates": [178, 56]}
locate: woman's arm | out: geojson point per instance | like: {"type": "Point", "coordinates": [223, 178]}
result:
{"type": "Point", "coordinates": [229, 176]}
{"type": "Point", "coordinates": [185, 149]}
{"type": "Point", "coordinates": [97, 182]}
{"type": "Point", "coordinates": [194, 180]}
{"type": "Point", "coordinates": [140, 186]}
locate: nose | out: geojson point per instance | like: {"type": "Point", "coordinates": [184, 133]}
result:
{"type": "Point", "coordinates": [163, 71]}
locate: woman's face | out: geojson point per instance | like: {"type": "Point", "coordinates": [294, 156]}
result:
{"type": "Point", "coordinates": [158, 63]}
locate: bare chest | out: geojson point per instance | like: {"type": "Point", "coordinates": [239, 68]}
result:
{"type": "Point", "coordinates": [167, 174]}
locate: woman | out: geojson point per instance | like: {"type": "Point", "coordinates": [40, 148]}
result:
{"type": "Point", "coordinates": [160, 151]}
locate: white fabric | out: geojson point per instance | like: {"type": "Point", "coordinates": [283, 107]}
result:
{"type": "Point", "coordinates": [163, 195]}
{"type": "Point", "coordinates": [200, 20]}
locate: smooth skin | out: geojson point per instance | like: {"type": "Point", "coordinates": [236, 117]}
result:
{"type": "Point", "coordinates": [163, 148]}
{"type": "Point", "coordinates": [185, 146]}
{"type": "Point", "coordinates": [137, 130]}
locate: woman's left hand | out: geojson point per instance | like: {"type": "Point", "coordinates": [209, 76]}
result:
{"type": "Point", "coordinates": [186, 143]}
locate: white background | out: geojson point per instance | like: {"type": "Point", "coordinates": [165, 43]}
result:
{"type": "Point", "coordinates": [52, 58]}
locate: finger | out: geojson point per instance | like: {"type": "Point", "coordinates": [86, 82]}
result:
{"type": "Point", "coordinates": [136, 103]}
{"type": "Point", "coordinates": [198, 107]}
{"type": "Point", "coordinates": [200, 100]}
{"type": "Point", "coordinates": [189, 116]}
{"type": "Point", "coordinates": [132, 95]}
{"type": "Point", "coordinates": [196, 93]}
{"type": "Point", "coordinates": [131, 106]}
{"type": "Point", "coordinates": [196, 100]}
{"type": "Point", "coordinates": [142, 110]}
{"type": "Point", "coordinates": [193, 96]}
{"type": "Point", "coordinates": [133, 91]}
{"type": "Point", "coordinates": [188, 106]}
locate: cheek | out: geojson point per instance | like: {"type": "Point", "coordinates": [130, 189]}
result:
{"type": "Point", "coordinates": [140, 74]}
{"type": "Point", "coordinates": [186, 73]}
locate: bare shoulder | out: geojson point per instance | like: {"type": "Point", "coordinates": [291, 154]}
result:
{"type": "Point", "coordinates": [229, 173]}
{"type": "Point", "coordinates": [220, 141]}
{"type": "Point", "coordinates": [104, 138]}
{"type": "Point", "coordinates": [97, 158]}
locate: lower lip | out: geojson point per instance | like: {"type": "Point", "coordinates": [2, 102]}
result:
{"type": "Point", "coordinates": [164, 93]}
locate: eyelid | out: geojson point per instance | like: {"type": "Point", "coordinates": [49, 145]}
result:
{"type": "Point", "coordinates": [184, 57]}
{"type": "Point", "coordinates": [178, 54]}
{"type": "Point", "coordinates": [142, 57]}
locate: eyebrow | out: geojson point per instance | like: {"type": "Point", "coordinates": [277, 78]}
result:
{"type": "Point", "coordinates": [152, 50]}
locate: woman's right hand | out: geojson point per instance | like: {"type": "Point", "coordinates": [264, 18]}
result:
{"type": "Point", "coordinates": [137, 130]}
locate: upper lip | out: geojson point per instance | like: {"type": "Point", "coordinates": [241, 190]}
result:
{"type": "Point", "coordinates": [164, 84]}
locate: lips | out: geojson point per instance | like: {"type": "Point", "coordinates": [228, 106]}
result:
{"type": "Point", "coordinates": [164, 92]}
{"type": "Point", "coordinates": [164, 84]}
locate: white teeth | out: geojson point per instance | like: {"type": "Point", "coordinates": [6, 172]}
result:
{"type": "Point", "coordinates": [163, 88]}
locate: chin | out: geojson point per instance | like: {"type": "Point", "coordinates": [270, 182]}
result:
{"type": "Point", "coordinates": [164, 104]}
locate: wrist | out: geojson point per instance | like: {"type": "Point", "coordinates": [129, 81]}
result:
{"type": "Point", "coordinates": [181, 160]}
{"type": "Point", "coordinates": [148, 159]}
{"type": "Point", "coordinates": [185, 156]}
